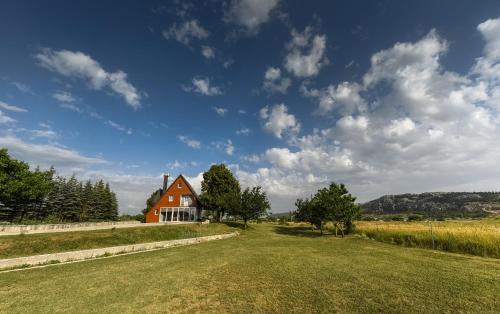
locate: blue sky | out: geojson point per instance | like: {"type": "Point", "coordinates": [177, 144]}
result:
{"type": "Point", "coordinates": [386, 96]}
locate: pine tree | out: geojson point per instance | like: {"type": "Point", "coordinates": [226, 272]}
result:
{"type": "Point", "coordinates": [72, 200]}
{"type": "Point", "coordinates": [86, 212]}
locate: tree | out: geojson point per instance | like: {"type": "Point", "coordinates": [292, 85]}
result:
{"type": "Point", "coordinates": [219, 190]}
{"type": "Point", "coordinates": [22, 192]}
{"type": "Point", "coordinates": [334, 204]}
{"type": "Point", "coordinates": [253, 204]}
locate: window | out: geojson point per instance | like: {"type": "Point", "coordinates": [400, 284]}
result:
{"type": "Point", "coordinates": [156, 212]}
{"type": "Point", "coordinates": [170, 198]}
{"type": "Point", "coordinates": [179, 185]}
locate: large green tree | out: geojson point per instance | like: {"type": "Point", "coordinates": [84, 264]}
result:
{"type": "Point", "coordinates": [253, 204]}
{"type": "Point", "coordinates": [22, 192]}
{"type": "Point", "coordinates": [219, 189]}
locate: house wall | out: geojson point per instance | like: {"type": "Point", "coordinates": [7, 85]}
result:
{"type": "Point", "coordinates": [163, 202]}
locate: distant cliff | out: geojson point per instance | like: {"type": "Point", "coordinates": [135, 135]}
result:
{"type": "Point", "coordinates": [437, 204]}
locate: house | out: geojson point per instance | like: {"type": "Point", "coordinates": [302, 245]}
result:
{"type": "Point", "coordinates": [175, 203]}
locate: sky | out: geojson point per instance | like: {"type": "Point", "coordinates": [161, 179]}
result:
{"type": "Point", "coordinates": [387, 97]}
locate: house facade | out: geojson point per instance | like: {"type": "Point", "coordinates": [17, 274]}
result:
{"type": "Point", "coordinates": [175, 203]}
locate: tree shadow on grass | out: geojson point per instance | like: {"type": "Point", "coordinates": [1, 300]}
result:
{"type": "Point", "coordinates": [235, 224]}
{"type": "Point", "coordinates": [297, 231]}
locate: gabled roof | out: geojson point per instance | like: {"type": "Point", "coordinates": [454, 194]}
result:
{"type": "Point", "coordinates": [171, 184]}
{"type": "Point", "coordinates": [188, 185]}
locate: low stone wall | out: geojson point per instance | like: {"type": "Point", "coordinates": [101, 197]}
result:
{"type": "Point", "coordinates": [43, 227]}
{"type": "Point", "coordinates": [93, 253]}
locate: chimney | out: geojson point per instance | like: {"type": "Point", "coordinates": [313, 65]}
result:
{"type": "Point", "coordinates": [165, 182]}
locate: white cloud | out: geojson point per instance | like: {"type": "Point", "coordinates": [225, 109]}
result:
{"type": "Point", "coordinates": [9, 107]}
{"type": "Point", "coordinates": [251, 158]}
{"type": "Point", "coordinates": [4, 119]}
{"type": "Point", "coordinates": [306, 53]}
{"type": "Point", "coordinates": [274, 83]}
{"type": "Point", "coordinates": [344, 97]}
{"type": "Point", "coordinates": [249, 14]}
{"type": "Point", "coordinates": [64, 97]}
{"type": "Point", "coordinates": [202, 86]}
{"type": "Point", "coordinates": [119, 127]}
{"type": "Point", "coordinates": [490, 29]}
{"type": "Point", "coordinates": [186, 31]}
{"type": "Point", "coordinates": [79, 65]}
{"type": "Point", "coordinates": [48, 134]}
{"type": "Point", "coordinates": [208, 52]}
{"type": "Point", "coordinates": [189, 141]}
{"type": "Point", "coordinates": [243, 131]}
{"type": "Point", "coordinates": [417, 127]}
{"type": "Point", "coordinates": [46, 155]}
{"type": "Point", "coordinates": [228, 63]}
{"type": "Point", "coordinates": [278, 121]}
{"type": "Point", "coordinates": [226, 146]}
{"type": "Point", "coordinates": [71, 107]}
{"type": "Point", "coordinates": [220, 111]}
{"type": "Point", "coordinates": [22, 87]}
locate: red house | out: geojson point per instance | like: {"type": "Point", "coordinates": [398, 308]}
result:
{"type": "Point", "coordinates": [174, 203]}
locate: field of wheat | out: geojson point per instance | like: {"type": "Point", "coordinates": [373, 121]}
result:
{"type": "Point", "coordinates": [477, 237]}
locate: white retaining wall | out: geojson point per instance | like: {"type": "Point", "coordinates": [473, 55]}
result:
{"type": "Point", "coordinates": [85, 226]}
{"type": "Point", "coordinates": [93, 253]}
{"type": "Point", "coordinates": [44, 227]}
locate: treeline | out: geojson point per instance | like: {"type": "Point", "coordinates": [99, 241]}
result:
{"type": "Point", "coordinates": [41, 196]}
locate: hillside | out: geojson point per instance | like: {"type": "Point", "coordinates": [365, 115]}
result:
{"type": "Point", "coordinates": [436, 204]}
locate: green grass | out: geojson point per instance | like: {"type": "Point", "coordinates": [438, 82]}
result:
{"type": "Point", "coordinates": [477, 237]}
{"type": "Point", "coordinates": [34, 244]}
{"type": "Point", "coordinates": [267, 269]}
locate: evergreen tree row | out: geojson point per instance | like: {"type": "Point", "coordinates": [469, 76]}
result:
{"type": "Point", "coordinates": [37, 195]}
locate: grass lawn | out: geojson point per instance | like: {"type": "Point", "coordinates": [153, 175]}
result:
{"type": "Point", "coordinates": [269, 268]}
{"type": "Point", "coordinates": [34, 244]}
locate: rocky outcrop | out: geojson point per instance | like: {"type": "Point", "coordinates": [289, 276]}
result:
{"type": "Point", "coordinates": [436, 204]}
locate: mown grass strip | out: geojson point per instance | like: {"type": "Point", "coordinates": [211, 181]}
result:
{"type": "Point", "coordinates": [35, 244]}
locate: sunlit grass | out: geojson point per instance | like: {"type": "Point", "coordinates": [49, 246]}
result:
{"type": "Point", "coordinates": [269, 268]}
{"type": "Point", "coordinates": [477, 237]}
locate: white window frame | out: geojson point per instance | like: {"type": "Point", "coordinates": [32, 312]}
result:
{"type": "Point", "coordinates": [170, 198]}
{"type": "Point", "coordinates": [179, 185]}
{"type": "Point", "coordinates": [156, 212]}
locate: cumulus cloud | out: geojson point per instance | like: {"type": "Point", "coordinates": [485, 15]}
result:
{"type": "Point", "coordinates": [274, 83]}
{"type": "Point", "coordinates": [408, 125]}
{"type": "Point", "coordinates": [344, 97]}
{"type": "Point", "coordinates": [189, 141]}
{"type": "Point", "coordinates": [79, 65]}
{"type": "Point", "coordinates": [249, 14]}
{"type": "Point", "coordinates": [186, 31]}
{"type": "Point", "coordinates": [202, 86]}
{"type": "Point", "coordinates": [220, 111]}
{"type": "Point", "coordinates": [306, 53]}
{"type": "Point", "coordinates": [278, 121]}
{"type": "Point", "coordinates": [9, 107]}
